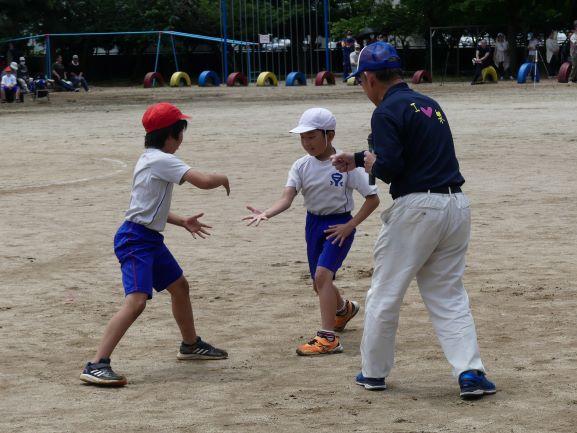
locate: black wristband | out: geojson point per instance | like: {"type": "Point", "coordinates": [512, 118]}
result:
{"type": "Point", "coordinates": [360, 159]}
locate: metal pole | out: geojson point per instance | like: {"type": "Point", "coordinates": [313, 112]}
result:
{"type": "Point", "coordinates": [174, 53]}
{"type": "Point", "coordinates": [157, 51]}
{"type": "Point", "coordinates": [223, 13]}
{"type": "Point", "coordinates": [327, 36]}
{"type": "Point", "coordinates": [431, 50]}
{"type": "Point", "coordinates": [48, 57]}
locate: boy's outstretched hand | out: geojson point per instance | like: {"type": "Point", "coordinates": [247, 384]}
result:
{"type": "Point", "coordinates": [226, 185]}
{"type": "Point", "coordinates": [256, 217]}
{"type": "Point", "coordinates": [195, 227]}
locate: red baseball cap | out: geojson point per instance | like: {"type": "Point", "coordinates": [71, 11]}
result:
{"type": "Point", "coordinates": [161, 115]}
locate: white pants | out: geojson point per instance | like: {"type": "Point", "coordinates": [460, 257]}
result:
{"type": "Point", "coordinates": [425, 236]}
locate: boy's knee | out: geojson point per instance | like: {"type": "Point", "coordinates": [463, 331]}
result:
{"type": "Point", "coordinates": [136, 303]}
{"type": "Point", "coordinates": [180, 287]}
{"type": "Point", "coordinates": [323, 277]}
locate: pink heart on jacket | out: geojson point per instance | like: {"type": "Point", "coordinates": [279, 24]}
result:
{"type": "Point", "coordinates": [428, 111]}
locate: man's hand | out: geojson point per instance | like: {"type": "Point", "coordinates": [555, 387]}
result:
{"type": "Point", "coordinates": [256, 217]}
{"type": "Point", "coordinates": [343, 162]}
{"type": "Point", "coordinates": [339, 233]}
{"type": "Point", "coordinates": [369, 161]}
{"type": "Point", "coordinates": [195, 227]}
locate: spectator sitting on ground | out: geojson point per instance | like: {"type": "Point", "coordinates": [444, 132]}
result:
{"type": "Point", "coordinates": [482, 59]}
{"type": "Point", "coordinates": [59, 75]}
{"type": "Point", "coordinates": [76, 74]}
{"type": "Point", "coordinates": [9, 90]}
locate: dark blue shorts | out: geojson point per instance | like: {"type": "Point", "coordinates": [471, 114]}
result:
{"type": "Point", "coordinates": [320, 251]}
{"type": "Point", "coordinates": [145, 261]}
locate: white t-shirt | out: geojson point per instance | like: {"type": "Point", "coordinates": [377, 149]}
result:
{"type": "Point", "coordinates": [154, 176]}
{"type": "Point", "coordinates": [354, 58]}
{"type": "Point", "coordinates": [9, 80]}
{"type": "Point", "coordinates": [325, 190]}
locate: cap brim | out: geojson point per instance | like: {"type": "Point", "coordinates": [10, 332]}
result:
{"type": "Point", "coordinates": [302, 128]}
{"type": "Point", "coordinates": [354, 74]}
{"type": "Point", "coordinates": [184, 117]}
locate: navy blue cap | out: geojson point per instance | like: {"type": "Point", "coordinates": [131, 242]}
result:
{"type": "Point", "coordinates": [377, 56]}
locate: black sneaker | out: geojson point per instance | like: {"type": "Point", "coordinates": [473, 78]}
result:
{"type": "Point", "coordinates": [199, 351]}
{"type": "Point", "coordinates": [102, 374]}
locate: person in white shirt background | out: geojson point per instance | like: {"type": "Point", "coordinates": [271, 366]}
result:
{"type": "Point", "coordinates": [9, 89]}
{"type": "Point", "coordinates": [501, 56]}
{"type": "Point", "coordinates": [552, 54]}
{"type": "Point", "coordinates": [354, 56]}
{"type": "Point", "coordinates": [330, 227]}
{"type": "Point", "coordinates": [573, 53]}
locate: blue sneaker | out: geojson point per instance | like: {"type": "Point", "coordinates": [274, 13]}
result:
{"type": "Point", "coordinates": [370, 383]}
{"type": "Point", "coordinates": [474, 384]}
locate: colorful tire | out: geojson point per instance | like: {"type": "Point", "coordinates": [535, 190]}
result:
{"type": "Point", "coordinates": [564, 72]}
{"type": "Point", "coordinates": [236, 77]}
{"type": "Point", "coordinates": [323, 76]}
{"type": "Point", "coordinates": [180, 79]}
{"type": "Point", "coordinates": [489, 74]}
{"type": "Point", "coordinates": [296, 78]}
{"type": "Point", "coordinates": [524, 72]}
{"type": "Point", "coordinates": [422, 75]}
{"type": "Point", "coordinates": [153, 79]}
{"type": "Point", "coordinates": [208, 78]}
{"type": "Point", "coordinates": [352, 81]}
{"type": "Point", "coordinates": [265, 78]}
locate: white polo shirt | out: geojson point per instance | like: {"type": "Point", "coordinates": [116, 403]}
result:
{"type": "Point", "coordinates": [325, 190]}
{"type": "Point", "coordinates": [9, 80]}
{"type": "Point", "coordinates": [154, 176]}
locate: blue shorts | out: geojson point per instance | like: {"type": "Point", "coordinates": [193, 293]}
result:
{"type": "Point", "coordinates": [144, 259]}
{"type": "Point", "coordinates": [320, 251]}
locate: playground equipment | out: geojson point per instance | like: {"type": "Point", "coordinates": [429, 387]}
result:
{"type": "Point", "coordinates": [420, 76]}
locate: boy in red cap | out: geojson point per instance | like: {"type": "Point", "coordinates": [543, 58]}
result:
{"type": "Point", "coordinates": [146, 263]}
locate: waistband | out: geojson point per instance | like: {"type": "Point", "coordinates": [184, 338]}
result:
{"type": "Point", "coordinates": [139, 228]}
{"type": "Point", "coordinates": [334, 215]}
{"type": "Point", "coordinates": [438, 190]}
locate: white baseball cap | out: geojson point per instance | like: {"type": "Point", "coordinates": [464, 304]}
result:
{"type": "Point", "coordinates": [315, 118]}
{"type": "Point", "coordinates": [14, 66]}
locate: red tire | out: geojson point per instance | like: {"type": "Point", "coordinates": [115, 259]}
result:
{"type": "Point", "coordinates": [151, 78]}
{"type": "Point", "coordinates": [564, 72]}
{"type": "Point", "coordinates": [323, 76]}
{"type": "Point", "coordinates": [422, 75]}
{"type": "Point", "coordinates": [236, 77]}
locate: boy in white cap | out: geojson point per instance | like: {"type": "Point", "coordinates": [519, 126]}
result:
{"type": "Point", "coordinates": [330, 227]}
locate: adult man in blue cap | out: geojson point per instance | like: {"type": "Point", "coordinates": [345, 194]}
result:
{"type": "Point", "coordinates": [425, 232]}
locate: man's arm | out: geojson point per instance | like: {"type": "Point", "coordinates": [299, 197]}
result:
{"type": "Point", "coordinates": [192, 224]}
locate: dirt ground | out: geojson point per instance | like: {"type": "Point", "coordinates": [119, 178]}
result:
{"type": "Point", "coordinates": [65, 177]}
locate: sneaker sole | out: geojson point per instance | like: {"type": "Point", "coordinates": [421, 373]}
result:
{"type": "Point", "coordinates": [478, 393]}
{"type": "Point", "coordinates": [338, 349]}
{"type": "Point", "coordinates": [197, 357]}
{"type": "Point", "coordinates": [372, 387]}
{"type": "Point", "coordinates": [356, 309]}
{"type": "Point", "coordinates": [101, 382]}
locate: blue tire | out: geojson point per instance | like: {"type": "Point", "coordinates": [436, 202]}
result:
{"type": "Point", "coordinates": [296, 78]}
{"type": "Point", "coordinates": [207, 78]}
{"type": "Point", "coordinates": [525, 70]}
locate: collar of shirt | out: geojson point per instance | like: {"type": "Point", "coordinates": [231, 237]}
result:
{"type": "Point", "coordinates": [394, 89]}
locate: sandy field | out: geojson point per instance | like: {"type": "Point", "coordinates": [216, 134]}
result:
{"type": "Point", "coordinates": [65, 177]}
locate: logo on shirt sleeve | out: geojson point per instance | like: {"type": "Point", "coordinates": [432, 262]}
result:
{"type": "Point", "coordinates": [337, 179]}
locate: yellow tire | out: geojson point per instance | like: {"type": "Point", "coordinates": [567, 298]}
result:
{"type": "Point", "coordinates": [266, 77]}
{"type": "Point", "coordinates": [352, 81]}
{"type": "Point", "coordinates": [177, 79]}
{"type": "Point", "coordinates": [489, 74]}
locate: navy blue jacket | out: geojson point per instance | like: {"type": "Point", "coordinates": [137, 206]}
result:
{"type": "Point", "coordinates": [413, 143]}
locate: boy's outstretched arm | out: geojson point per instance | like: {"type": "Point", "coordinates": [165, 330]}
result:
{"type": "Point", "coordinates": [283, 203]}
{"type": "Point", "coordinates": [192, 224]}
{"type": "Point", "coordinates": [340, 232]}
{"type": "Point", "coordinates": [206, 180]}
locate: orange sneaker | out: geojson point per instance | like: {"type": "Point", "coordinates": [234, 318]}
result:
{"type": "Point", "coordinates": [352, 310]}
{"type": "Point", "coordinates": [320, 346]}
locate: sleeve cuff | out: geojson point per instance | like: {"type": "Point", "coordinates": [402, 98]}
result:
{"type": "Point", "coordinates": [360, 159]}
